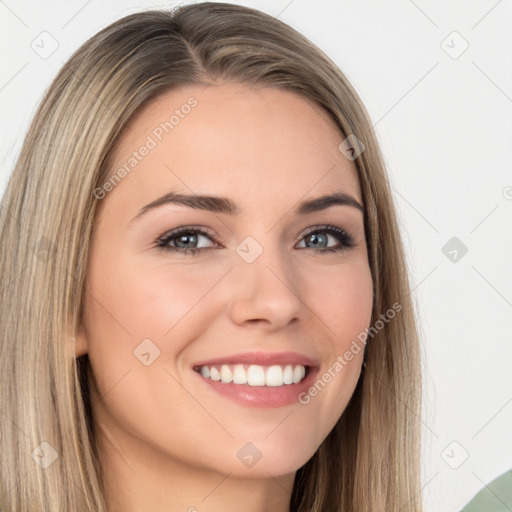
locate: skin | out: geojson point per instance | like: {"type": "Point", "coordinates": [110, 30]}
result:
{"type": "Point", "coordinates": [167, 441]}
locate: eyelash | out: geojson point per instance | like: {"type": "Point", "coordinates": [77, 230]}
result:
{"type": "Point", "coordinates": [346, 240]}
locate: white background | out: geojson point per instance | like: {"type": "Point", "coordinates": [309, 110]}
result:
{"type": "Point", "coordinates": [444, 124]}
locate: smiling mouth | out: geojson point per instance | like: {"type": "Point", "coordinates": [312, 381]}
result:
{"type": "Point", "coordinates": [255, 375]}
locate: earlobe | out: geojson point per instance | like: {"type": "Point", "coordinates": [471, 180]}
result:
{"type": "Point", "coordinates": [79, 344]}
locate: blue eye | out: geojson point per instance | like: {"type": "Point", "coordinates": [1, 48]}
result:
{"type": "Point", "coordinates": [346, 241]}
{"type": "Point", "coordinates": [179, 239]}
{"type": "Point", "coordinates": [183, 236]}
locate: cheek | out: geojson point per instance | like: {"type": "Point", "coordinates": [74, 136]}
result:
{"type": "Point", "coordinates": [134, 300]}
{"type": "Point", "coordinates": [146, 299]}
{"type": "Point", "coordinates": [343, 300]}
{"type": "Point", "coordinates": [127, 305]}
{"type": "Point", "coordinates": [171, 301]}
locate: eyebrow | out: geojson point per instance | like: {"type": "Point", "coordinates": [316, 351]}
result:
{"type": "Point", "coordinates": [218, 204]}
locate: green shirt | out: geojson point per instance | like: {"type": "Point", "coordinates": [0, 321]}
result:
{"type": "Point", "coordinates": [494, 497]}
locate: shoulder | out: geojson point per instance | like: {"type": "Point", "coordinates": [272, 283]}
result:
{"type": "Point", "coordinates": [494, 497]}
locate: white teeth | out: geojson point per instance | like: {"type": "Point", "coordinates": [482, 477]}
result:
{"type": "Point", "coordinates": [225, 374]}
{"type": "Point", "coordinates": [274, 376]}
{"type": "Point", "coordinates": [214, 373]}
{"type": "Point", "coordinates": [254, 374]}
{"type": "Point", "coordinates": [239, 374]}
{"type": "Point", "coordinates": [288, 374]}
{"type": "Point", "coordinates": [298, 374]}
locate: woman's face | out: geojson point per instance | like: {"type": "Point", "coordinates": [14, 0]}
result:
{"type": "Point", "coordinates": [270, 294]}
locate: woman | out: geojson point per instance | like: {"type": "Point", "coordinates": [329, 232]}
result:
{"type": "Point", "coordinates": [275, 365]}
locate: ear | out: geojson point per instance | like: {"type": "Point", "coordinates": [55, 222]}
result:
{"type": "Point", "coordinates": [80, 344]}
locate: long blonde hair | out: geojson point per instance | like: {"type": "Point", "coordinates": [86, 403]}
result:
{"type": "Point", "coordinates": [49, 460]}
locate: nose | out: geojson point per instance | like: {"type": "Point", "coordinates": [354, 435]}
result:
{"type": "Point", "coordinates": [265, 292]}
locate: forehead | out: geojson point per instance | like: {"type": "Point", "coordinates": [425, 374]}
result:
{"type": "Point", "coordinates": [254, 144]}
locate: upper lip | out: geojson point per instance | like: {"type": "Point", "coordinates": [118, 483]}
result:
{"type": "Point", "coordinates": [261, 358]}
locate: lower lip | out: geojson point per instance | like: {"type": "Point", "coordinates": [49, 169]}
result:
{"type": "Point", "coordinates": [262, 396]}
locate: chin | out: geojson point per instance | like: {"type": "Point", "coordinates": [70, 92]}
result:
{"type": "Point", "coordinates": [263, 458]}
